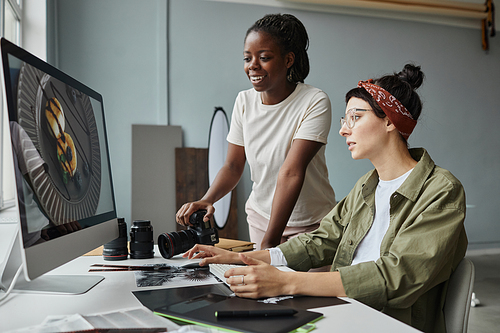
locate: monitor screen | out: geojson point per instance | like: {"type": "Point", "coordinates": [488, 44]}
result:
{"type": "Point", "coordinates": [60, 161]}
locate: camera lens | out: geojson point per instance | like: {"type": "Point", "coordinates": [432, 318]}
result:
{"type": "Point", "coordinates": [141, 240]}
{"type": "Point", "coordinates": [117, 248]}
{"type": "Point", "coordinates": [175, 243]}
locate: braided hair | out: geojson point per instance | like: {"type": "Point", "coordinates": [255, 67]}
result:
{"type": "Point", "coordinates": [291, 36]}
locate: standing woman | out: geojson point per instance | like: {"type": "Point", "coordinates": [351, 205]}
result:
{"type": "Point", "coordinates": [280, 127]}
{"type": "Point", "coordinates": [394, 241]}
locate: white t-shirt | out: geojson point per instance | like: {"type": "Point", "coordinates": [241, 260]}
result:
{"type": "Point", "coordinates": [369, 248]}
{"type": "Point", "coordinates": [267, 133]}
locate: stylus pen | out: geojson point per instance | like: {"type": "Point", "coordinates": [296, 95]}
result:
{"type": "Point", "coordinates": [255, 313]}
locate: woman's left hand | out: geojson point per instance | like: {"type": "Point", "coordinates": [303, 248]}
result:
{"type": "Point", "coordinates": [258, 279]}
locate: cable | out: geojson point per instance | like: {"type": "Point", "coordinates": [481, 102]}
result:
{"type": "Point", "coordinates": [12, 284]}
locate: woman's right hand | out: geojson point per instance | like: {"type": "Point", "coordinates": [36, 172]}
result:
{"type": "Point", "coordinates": [183, 214]}
{"type": "Point", "coordinates": [212, 255]}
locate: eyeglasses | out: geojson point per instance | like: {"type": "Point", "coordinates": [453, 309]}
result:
{"type": "Point", "coordinates": [350, 118]}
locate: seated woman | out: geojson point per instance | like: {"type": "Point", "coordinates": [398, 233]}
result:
{"type": "Point", "coordinates": [393, 241]}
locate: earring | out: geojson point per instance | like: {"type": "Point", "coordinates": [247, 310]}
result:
{"type": "Point", "coordinates": [289, 77]}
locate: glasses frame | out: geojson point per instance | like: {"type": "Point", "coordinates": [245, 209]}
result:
{"type": "Point", "coordinates": [350, 117]}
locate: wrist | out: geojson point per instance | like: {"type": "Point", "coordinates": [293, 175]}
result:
{"type": "Point", "coordinates": [268, 242]}
{"type": "Point", "coordinates": [291, 284]}
{"type": "Point", "coordinates": [207, 200]}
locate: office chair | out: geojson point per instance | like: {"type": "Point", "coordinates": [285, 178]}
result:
{"type": "Point", "coordinates": [458, 297]}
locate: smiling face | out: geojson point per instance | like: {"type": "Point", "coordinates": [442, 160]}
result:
{"type": "Point", "coordinates": [266, 67]}
{"type": "Point", "coordinates": [368, 137]}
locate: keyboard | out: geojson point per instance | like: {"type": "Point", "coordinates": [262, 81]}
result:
{"type": "Point", "coordinates": [219, 269]}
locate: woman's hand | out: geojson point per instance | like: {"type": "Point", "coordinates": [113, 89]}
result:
{"type": "Point", "coordinates": [258, 279]}
{"type": "Point", "coordinates": [183, 214]}
{"type": "Point", "coordinates": [212, 255]}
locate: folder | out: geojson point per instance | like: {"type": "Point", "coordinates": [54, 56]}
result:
{"type": "Point", "coordinates": [234, 245]}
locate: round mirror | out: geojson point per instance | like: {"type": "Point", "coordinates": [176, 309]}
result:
{"type": "Point", "coordinates": [217, 151]}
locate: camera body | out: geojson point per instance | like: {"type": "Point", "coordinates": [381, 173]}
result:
{"type": "Point", "coordinates": [204, 234]}
{"type": "Point", "coordinates": [173, 243]}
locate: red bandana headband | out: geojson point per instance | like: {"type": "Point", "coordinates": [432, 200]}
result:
{"type": "Point", "coordinates": [392, 108]}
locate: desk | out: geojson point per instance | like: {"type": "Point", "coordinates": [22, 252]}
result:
{"type": "Point", "coordinates": [114, 293]}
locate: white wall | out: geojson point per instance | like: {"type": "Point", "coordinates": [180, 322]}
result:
{"type": "Point", "coordinates": [119, 48]}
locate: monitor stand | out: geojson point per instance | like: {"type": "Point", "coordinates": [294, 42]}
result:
{"type": "Point", "coordinates": [10, 252]}
{"type": "Point", "coordinates": [58, 284]}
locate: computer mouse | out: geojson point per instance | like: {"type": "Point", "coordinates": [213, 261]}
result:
{"type": "Point", "coordinates": [193, 265]}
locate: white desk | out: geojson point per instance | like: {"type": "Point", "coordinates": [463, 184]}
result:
{"type": "Point", "coordinates": [114, 293]}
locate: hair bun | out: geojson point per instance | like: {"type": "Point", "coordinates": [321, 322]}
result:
{"type": "Point", "coordinates": [412, 74]}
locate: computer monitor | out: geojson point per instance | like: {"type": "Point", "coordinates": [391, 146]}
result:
{"type": "Point", "coordinates": [59, 158]}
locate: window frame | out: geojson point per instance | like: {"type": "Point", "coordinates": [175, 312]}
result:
{"type": "Point", "coordinates": [7, 193]}
{"type": "Point", "coordinates": [16, 7]}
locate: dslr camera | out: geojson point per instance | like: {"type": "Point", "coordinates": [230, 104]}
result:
{"type": "Point", "coordinates": [173, 243]}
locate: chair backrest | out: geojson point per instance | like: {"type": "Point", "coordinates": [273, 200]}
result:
{"type": "Point", "coordinates": [458, 297]}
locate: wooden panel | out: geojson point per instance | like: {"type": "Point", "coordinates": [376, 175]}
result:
{"type": "Point", "coordinates": [191, 169]}
{"type": "Point", "coordinates": [191, 180]}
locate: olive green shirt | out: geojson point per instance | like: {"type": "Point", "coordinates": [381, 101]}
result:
{"type": "Point", "coordinates": [424, 243]}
